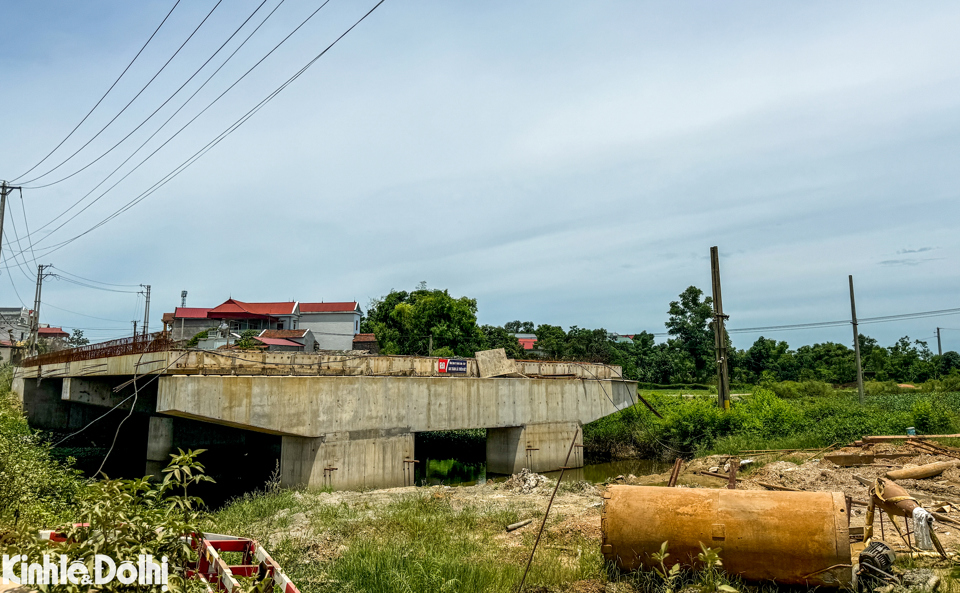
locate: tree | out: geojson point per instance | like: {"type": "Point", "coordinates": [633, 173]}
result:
{"type": "Point", "coordinates": [76, 339]}
{"type": "Point", "coordinates": [519, 327]}
{"type": "Point", "coordinates": [551, 340]}
{"type": "Point", "coordinates": [948, 361]}
{"type": "Point", "coordinates": [404, 322]}
{"type": "Point", "coordinates": [498, 337]}
{"type": "Point", "coordinates": [689, 324]}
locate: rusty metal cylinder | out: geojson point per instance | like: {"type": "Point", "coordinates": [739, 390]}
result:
{"type": "Point", "coordinates": [788, 537]}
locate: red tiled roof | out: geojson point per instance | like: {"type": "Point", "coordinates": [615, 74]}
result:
{"type": "Point", "coordinates": [277, 342]}
{"type": "Point", "coordinates": [328, 307]}
{"type": "Point", "coordinates": [283, 333]}
{"type": "Point", "coordinates": [365, 338]}
{"type": "Point", "coordinates": [52, 332]}
{"type": "Point", "coordinates": [234, 309]}
{"type": "Point", "coordinates": [527, 343]}
{"type": "Point", "coordinates": [190, 313]}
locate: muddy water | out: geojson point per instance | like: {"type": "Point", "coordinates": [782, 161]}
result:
{"type": "Point", "coordinates": [451, 471]}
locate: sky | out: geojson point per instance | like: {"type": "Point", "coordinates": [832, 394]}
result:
{"type": "Point", "coordinates": [568, 163]}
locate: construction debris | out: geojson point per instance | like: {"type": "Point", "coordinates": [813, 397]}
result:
{"type": "Point", "coordinates": [928, 470]}
{"type": "Point", "coordinates": [525, 482]}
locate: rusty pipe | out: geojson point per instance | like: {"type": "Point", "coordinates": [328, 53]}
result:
{"type": "Point", "coordinates": [788, 537]}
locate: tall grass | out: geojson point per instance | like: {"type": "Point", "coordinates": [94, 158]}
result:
{"type": "Point", "coordinates": [419, 543]}
{"type": "Point", "coordinates": [694, 425]}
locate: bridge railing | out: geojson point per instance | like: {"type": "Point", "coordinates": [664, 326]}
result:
{"type": "Point", "coordinates": [132, 345]}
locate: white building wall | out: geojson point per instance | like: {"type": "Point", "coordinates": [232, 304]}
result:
{"type": "Point", "coordinates": [333, 331]}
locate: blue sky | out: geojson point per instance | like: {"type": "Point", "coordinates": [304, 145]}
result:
{"type": "Point", "coordinates": [566, 163]}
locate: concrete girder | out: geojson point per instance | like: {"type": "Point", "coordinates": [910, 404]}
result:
{"type": "Point", "coordinates": [316, 406]}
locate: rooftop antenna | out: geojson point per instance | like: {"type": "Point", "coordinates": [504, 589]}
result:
{"type": "Point", "coordinates": [183, 298]}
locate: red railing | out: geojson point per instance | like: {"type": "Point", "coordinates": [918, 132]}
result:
{"type": "Point", "coordinates": [132, 345]}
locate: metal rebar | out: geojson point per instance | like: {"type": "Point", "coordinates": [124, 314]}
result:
{"type": "Point", "coordinates": [547, 512]}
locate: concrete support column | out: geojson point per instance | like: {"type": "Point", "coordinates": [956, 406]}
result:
{"type": "Point", "coordinates": [537, 447]}
{"type": "Point", "coordinates": [348, 460]}
{"type": "Point", "coordinates": [159, 445]}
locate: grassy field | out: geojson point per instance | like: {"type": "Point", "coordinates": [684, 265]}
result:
{"type": "Point", "coordinates": [693, 426]}
{"type": "Point", "coordinates": [430, 540]}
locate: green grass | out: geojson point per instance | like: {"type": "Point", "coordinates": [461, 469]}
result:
{"type": "Point", "coordinates": [762, 420]}
{"type": "Point", "coordinates": [419, 542]}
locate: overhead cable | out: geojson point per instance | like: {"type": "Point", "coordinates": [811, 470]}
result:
{"type": "Point", "coordinates": [162, 105]}
{"type": "Point", "coordinates": [197, 155]}
{"type": "Point", "coordinates": [63, 162]}
{"type": "Point", "coordinates": [92, 109]}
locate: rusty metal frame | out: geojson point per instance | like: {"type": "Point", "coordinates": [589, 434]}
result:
{"type": "Point", "coordinates": [156, 342]}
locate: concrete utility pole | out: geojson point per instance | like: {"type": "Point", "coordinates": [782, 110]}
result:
{"type": "Point", "coordinates": [719, 335]}
{"type": "Point", "coordinates": [146, 310]}
{"type": "Point", "coordinates": [134, 329]}
{"type": "Point", "coordinates": [856, 341]}
{"type": "Point", "coordinates": [4, 190]}
{"type": "Point", "coordinates": [430, 347]}
{"type": "Point", "coordinates": [35, 320]}
{"type": "Point", "coordinates": [939, 346]}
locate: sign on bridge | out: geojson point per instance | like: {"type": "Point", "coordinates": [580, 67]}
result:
{"type": "Point", "coordinates": [452, 365]}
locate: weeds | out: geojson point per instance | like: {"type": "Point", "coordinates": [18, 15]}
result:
{"type": "Point", "coordinates": [761, 420]}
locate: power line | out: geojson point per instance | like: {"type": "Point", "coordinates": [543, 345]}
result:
{"type": "Point", "coordinates": [62, 271]}
{"type": "Point", "coordinates": [131, 100]}
{"type": "Point", "coordinates": [196, 156]}
{"type": "Point", "coordinates": [94, 287]}
{"type": "Point", "coordinates": [82, 314]}
{"type": "Point", "coordinates": [175, 134]}
{"type": "Point", "coordinates": [162, 105]}
{"type": "Point", "coordinates": [104, 95]}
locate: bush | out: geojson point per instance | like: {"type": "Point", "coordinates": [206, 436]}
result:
{"type": "Point", "coordinates": [35, 488]}
{"type": "Point", "coordinates": [931, 416]}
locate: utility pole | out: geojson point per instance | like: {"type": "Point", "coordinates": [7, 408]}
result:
{"type": "Point", "coordinates": [719, 334]}
{"type": "Point", "coordinates": [856, 341]}
{"type": "Point", "coordinates": [35, 321]}
{"type": "Point", "coordinates": [134, 329]}
{"type": "Point", "coordinates": [146, 310]}
{"type": "Point", "coordinates": [4, 190]}
{"type": "Point", "coordinates": [939, 346]}
{"type": "Point", "coordinates": [430, 347]}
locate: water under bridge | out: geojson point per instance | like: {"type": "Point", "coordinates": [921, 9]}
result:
{"type": "Point", "coordinates": [344, 421]}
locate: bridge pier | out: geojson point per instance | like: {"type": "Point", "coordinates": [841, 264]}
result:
{"type": "Point", "coordinates": [159, 445]}
{"type": "Point", "coordinates": [349, 460]}
{"type": "Point", "coordinates": [537, 447]}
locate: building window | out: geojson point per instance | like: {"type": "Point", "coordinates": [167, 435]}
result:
{"type": "Point", "coordinates": [356, 327]}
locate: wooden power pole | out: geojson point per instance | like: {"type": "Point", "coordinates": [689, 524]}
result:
{"type": "Point", "coordinates": [719, 334]}
{"type": "Point", "coordinates": [856, 341]}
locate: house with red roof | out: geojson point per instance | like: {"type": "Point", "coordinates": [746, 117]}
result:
{"type": "Point", "coordinates": [333, 325]}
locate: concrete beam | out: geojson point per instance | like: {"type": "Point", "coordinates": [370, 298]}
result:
{"type": "Point", "coordinates": [90, 391]}
{"type": "Point", "coordinates": [537, 447]}
{"type": "Point", "coordinates": [345, 462]}
{"type": "Point", "coordinates": [320, 405]}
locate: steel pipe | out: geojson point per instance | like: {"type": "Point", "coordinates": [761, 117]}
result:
{"type": "Point", "coordinates": [788, 537]}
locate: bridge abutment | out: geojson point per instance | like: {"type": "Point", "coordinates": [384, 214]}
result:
{"type": "Point", "coordinates": [348, 460]}
{"type": "Point", "coordinates": [537, 447]}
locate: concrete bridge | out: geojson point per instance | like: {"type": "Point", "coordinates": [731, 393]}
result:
{"type": "Point", "coordinates": [345, 421]}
